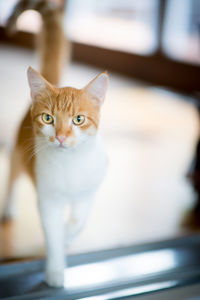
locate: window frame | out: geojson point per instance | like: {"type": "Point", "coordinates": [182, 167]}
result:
{"type": "Point", "coordinates": [24, 280]}
{"type": "Point", "coordinates": [156, 69]}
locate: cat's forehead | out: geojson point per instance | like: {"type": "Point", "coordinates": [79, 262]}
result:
{"type": "Point", "coordinates": [71, 101]}
{"type": "Point", "coordinates": [66, 100]}
{"type": "Point", "coordinates": [67, 95]}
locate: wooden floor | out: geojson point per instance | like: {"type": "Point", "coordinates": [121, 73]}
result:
{"type": "Point", "coordinates": [150, 135]}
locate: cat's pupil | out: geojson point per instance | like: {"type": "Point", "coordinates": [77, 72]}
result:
{"type": "Point", "coordinates": [79, 118]}
{"type": "Point", "coordinates": [48, 117]}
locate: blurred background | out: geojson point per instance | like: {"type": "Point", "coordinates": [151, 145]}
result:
{"type": "Point", "coordinates": [150, 120]}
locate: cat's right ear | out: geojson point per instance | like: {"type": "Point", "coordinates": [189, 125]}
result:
{"type": "Point", "coordinates": [36, 82]}
{"type": "Point", "coordinates": [96, 88]}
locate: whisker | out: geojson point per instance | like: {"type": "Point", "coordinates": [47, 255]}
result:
{"type": "Point", "coordinates": [36, 150]}
{"type": "Point", "coordinates": [27, 141]}
{"type": "Point", "coordinates": [29, 145]}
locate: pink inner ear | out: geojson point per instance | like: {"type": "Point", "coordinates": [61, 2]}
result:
{"type": "Point", "coordinates": [97, 87]}
{"type": "Point", "coordinates": [36, 82]}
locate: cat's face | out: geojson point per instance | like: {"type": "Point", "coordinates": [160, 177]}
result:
{"type": "Point", "coordinates": [65, 117]}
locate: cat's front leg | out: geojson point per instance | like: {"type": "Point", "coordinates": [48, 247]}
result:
{"type": "Point", "coordinates": [51, 213]}
{"type": "Point", "coordinates": [80, 209]}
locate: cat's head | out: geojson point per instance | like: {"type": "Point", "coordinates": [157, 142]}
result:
{"type": "Point", "coordinates": [65, 117]}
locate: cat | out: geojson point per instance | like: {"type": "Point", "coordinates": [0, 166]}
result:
{"type": "Point", "coordinates": [59, 146]}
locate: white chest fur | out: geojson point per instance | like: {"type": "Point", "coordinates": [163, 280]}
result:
{"type": "Point", "coordinates": [71, 173]}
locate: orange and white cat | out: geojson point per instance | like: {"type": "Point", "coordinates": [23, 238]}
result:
{"type": "Point", "coordinates": [59, 146]}
{"type": "Point", "coordinates": [70, 160]}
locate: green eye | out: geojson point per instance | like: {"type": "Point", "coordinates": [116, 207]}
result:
{"type": "Point", "coordinates": [78, 120]}
{"type": "Point", "coordinates": [46, 118]}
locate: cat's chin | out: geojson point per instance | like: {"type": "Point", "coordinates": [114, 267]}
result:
{"type": "Point", "coordinates": [62, 147]}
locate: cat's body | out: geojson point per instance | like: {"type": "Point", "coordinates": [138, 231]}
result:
{"type": "Point", "coordinates": [59, 146]}
{"type": "Point", "coordinates": [74, 172]}
{"type": "Point", "coordinates": [67, 177]}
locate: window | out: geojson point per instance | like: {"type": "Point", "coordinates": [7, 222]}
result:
{"type": "Point", "coordinates": [181, 39]}
{"type": "Point", "coordinates": [126, 25]}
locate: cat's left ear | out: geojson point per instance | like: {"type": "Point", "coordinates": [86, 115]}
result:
{"type": "Point", "coordinates": [36, 82]}
{"type": "Point", "coordinates": [96, 89]}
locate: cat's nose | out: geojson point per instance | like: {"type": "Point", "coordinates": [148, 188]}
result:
{"type": "Point", "coordinates": [61, 138]}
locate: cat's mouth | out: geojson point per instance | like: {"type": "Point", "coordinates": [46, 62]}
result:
{"type": "Point", "coordinates": [62, 146]}
{"type": "Point", "coordinates": [59, 146]}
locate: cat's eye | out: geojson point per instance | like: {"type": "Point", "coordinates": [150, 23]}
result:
{"type": "Point", "coordinates": [46, 118]}
{"type": "Point", "coordinates": [78, 120]}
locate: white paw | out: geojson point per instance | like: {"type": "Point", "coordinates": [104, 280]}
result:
{"type": "Point", "coordinates": [55, 278]}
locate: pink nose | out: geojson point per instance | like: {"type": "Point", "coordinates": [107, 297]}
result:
{"type": "Point", "coordinates": [61, 138]}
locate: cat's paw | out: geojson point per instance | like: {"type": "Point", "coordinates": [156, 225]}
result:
{"type": "Point", "coordinates": [55, 279]}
